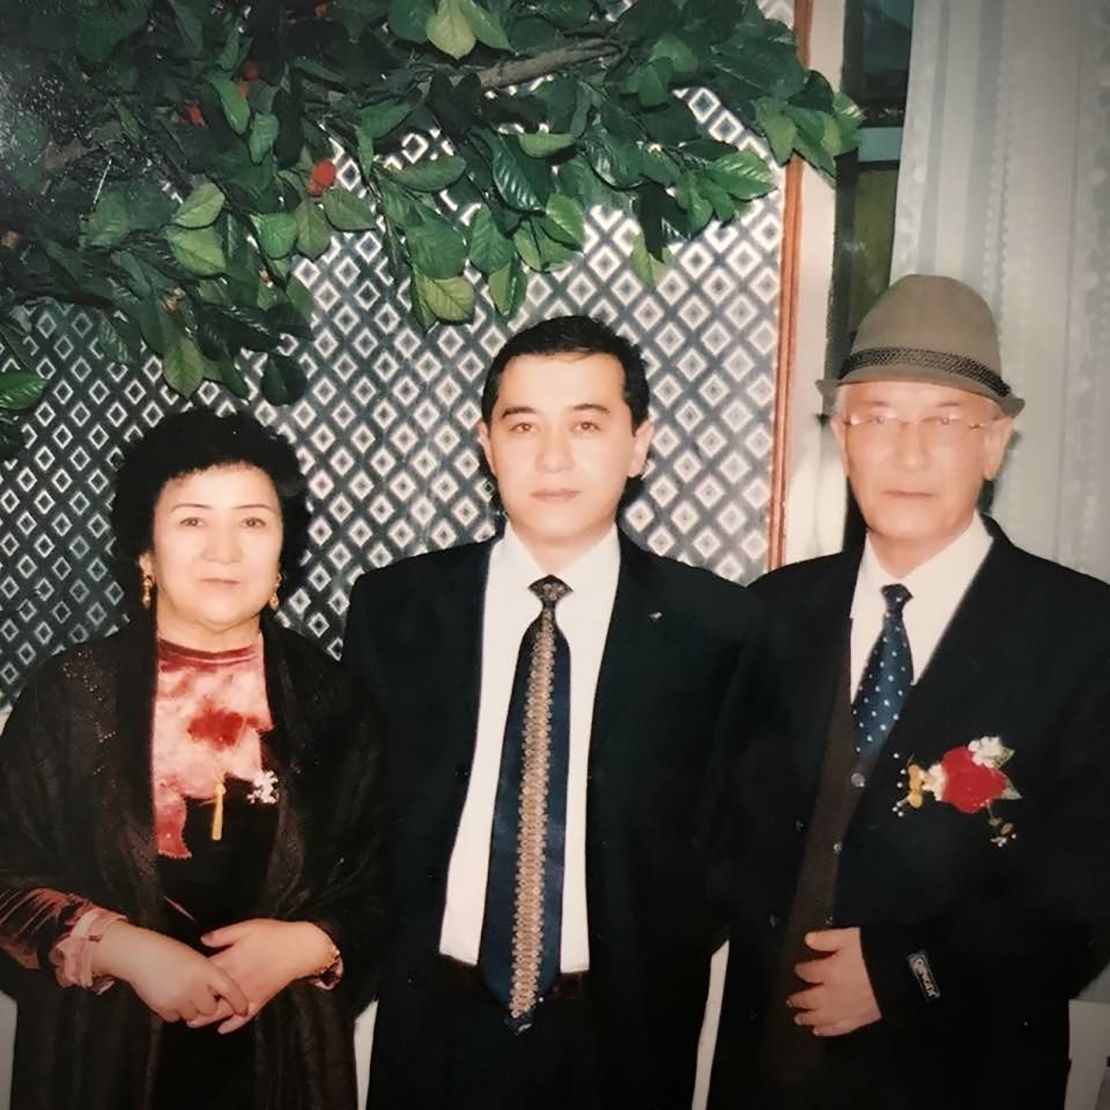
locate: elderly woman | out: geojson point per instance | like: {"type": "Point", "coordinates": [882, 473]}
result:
{"type": "Point", "coordinates": [190, 849]}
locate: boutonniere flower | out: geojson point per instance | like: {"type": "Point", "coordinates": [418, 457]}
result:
{"type": "Point", "coordinates": [968, 777]}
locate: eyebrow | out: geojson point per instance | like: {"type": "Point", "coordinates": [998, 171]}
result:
{"type": "Point", "coordinates": [202, 505]}
{"type": "Point", "coordinates": [584, 406]}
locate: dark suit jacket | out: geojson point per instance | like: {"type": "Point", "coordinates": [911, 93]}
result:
{"type": "Point", "coordinates": [677, 638]}
{"type": "Point", "coordinates": [1006, 930]}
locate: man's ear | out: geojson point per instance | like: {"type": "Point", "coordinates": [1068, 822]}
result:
{"type": "Point", "coordinates": [998, 435]}
{"type": "Point", "coordinates": [483, 441]}
{"type": "Point", "coordinates": [641, 445]}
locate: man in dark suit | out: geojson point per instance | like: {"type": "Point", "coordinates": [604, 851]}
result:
{"type": "Point", "coordinates": [551, 934]}
{"type": "Point", "coordinates": [939, 785]}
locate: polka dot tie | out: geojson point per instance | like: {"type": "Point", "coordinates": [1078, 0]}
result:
{"type": "Point", "coordinates": [886, 678]}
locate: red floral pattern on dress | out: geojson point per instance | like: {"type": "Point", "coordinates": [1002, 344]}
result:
{"type": "Point", "coordinates": [210, 713]}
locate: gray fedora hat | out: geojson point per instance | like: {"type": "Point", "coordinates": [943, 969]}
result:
{"type": "Point", "coordinates": [928, 329]}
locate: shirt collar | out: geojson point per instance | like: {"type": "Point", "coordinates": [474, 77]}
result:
{"type": "Point", "coordinates": [949, 571]}
{"type": "Point", "coordinates": [592, 569]}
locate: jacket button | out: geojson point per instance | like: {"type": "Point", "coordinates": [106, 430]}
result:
{"type": "Point", "coordinates": [837, 847]}
{"type": "Point", "coordinates": [432, 874]}
{"type": "Point", "coordinates": [412, 979]}
{"type": "Point", "coordinates": [858, 780]}
{"type": "Point", "coordinates": [799, 825]}
{"type": "Point", "coordinates": [462, 773]}
{"type": "Point", "coordinates": [773, 921]}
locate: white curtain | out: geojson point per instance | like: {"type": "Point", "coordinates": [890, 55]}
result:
{"type": "Point", "coordinates": [1005, 184]}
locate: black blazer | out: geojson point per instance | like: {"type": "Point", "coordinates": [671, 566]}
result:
{"type": "Point", "coordinates": [678, 637]}
{"type": "Point", "coordinates": [1007, 931]}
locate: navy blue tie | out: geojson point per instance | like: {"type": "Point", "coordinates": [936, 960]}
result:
{"type": "Point", "coordinates": [519, 957]}
{"type": "Point", "coordinates": [887, 678]}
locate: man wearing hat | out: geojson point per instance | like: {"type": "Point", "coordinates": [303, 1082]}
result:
{"type": "Point", "coordinates": [920, 854]}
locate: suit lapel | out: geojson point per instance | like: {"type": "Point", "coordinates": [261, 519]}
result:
{"type": "Point", "coordinates": [814, 669]}
{"type": "Point", "coordinates": [453, 649]}
{"type": "Point", "coordinates": [631, 644]}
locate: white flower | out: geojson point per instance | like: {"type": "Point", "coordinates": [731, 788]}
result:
{"type": "Point", "coordinates": [265, 788]}
{"type": "Point", "coordinates": [989, 751]}
{"type": "Point", "coordinates": [936, 779]}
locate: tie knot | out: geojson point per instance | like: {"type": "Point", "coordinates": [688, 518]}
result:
{"type": "Point", "coordinates": [896, 597]}
{"type": "Point", "coordinates": [550, 590]}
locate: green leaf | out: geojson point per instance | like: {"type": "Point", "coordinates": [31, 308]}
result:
{"type": "Point", "coordinates": [616, 161]}
{"type": "Point", "coordinates": [237, 111]}
{"type": "Point", "coordinates": [645, 266]}
{"type": "Point", "coordinates": [184, 366]}
{"type": "Point", "coordinates": [577, 179]}
{"type": "Point", "coordinates": [564, 221]}
{"type": "Point", "coordinates": [364, 150]}
{"type": "Point", "coordinates": [659, 166]}
{"type": "Point", "coordinates": [542, 144]}
{"type": "Point", "coordinates": [355, 15]}
{"type": "Point", "coordinates": [228, 58]}
{"type": "Point", "coordinates": [486, 25]}
{"type": "Point", "coordinates": [300, 296]}
{"type": "Point", "coordinates": [651, 86]}
{"type": "Point", "coordinates": [381, 118]}
{"type": "Point", "coordinates": [744, 174]}
{"type": "Point", "coordinates": [201, 207]}
{"type": "Point", "coordinates": [437, 249]}
{"type": "Point", "coordinates": [263, 133]}
{"type": "Point", "coordinates": [408, 19]}
{"type": "Point", "coordinates": [779, 129]}
{"type": "Point", "coordinates": [346, 212]}
{"type": "Point", "coordinates": [20, 389]}
{"type": "Point", "coordinates": [231, 377]}
{"type": "Point", "coordinates": [450, 299]}
{"type": "Point", "coordinates": [192, 33]}
{"type": "Point", "coordinates": [138, 280]}
{"type": "Point", "coordinates": [516, 178]}
{"type": "Point", "coordinates": [108, 223]}
{"type": "Point", "coordinates": [198, 250]}
{"type": "Point", "coordinates": [25, 143]}
{"type": "Point", "coordinates": [552, 252]}
{"type": "Point", "coordinates": [524, 239]}
{"type": "Point", "coordinates": [489, 249]}
{"type": "Point", "coordinates": [723, 207]}
{"type": "Point", "coordinates": [313, 231]}
{"type": "Point", "coordinates": [693, 203]}
{"type": "Point", "coordinates": [450, 30]}
{"type": "Point", "coordinates": [119, 339]}
{"type": "Point", "coordinates": [684, 60]}
{"type": "Point", "coordinates": [429, 175]}
{"type": "Point", "coordinates": [508, 287]}
{"type": "Point", "coordinates": [568, 15]}
{"type": "Point", "coordinates": [283, 381]}
{"type": "Point", "coordinates": [276, 233]}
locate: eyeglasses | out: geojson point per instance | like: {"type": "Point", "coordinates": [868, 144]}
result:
{"type": "Point", "coordinates": [941, 430]}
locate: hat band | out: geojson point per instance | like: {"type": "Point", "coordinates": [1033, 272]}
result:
{"type": "Point", "coordinates": [932, 360]}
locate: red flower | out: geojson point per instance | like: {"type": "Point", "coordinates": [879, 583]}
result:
{"type": "Point", "coordinates": [322, 10]}
{"type": "Point", "coordinates": [971, 786]}
{"type": "Point", "coordinates": [244, 89]}
{"type": "Point", "coordinates": [193, 114]}
{"type": "Point", "coordinates": [250, 71]}
{"type": "Point", "coordinates": [322, 178]}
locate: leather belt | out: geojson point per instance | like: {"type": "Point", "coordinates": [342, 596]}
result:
{"type": "Point", "coordinates": [567, 987]}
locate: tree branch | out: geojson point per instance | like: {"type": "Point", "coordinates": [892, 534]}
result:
{"type": "Point", "coordinates": [519, 71]}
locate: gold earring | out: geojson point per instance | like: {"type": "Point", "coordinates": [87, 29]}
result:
{"type": "Point", "coordinates": [275, 601]}
{"type": "Point", "coordinates": [147, 591]}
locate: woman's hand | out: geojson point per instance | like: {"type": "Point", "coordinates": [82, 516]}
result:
{"type": "Point", "coordinates": [263, 956]}
{"type": "Point", "coordinates": [173, 980]}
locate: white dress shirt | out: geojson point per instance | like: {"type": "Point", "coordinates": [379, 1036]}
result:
{"type": "Point", "coordinates": [937, 587]}
{"type": "Point", "coordinates": [583, 617]}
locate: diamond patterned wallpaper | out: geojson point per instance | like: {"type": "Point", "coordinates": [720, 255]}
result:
{"type": "Point", "coordinates": [385, 432]}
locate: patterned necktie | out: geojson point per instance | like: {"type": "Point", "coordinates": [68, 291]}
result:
{"type": "Point", "coordinates": [886, 678]}
{"type": "Point", "coordinates": [519, 957]}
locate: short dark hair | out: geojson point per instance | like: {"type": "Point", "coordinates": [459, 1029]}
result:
{"type": "Point", "coordinates": [572, 335]}
{"type": "Point", "coordinates": [188, 442]}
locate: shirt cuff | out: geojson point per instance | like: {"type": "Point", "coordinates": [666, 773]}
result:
{"type": "Point", "coordinates": [72, 955]}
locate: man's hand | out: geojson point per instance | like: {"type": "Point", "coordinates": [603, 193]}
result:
{"type": "Point", "coordinates": [173, 980]}
{"type": "Point", "coordinates": [840, 998]}
{"type": "Point", "coordinates": [263, 956]}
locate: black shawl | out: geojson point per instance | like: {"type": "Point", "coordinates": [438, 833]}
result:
{"type": "Point", "coordinates": [76, 817]}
